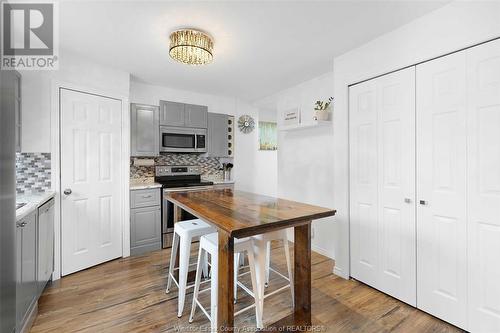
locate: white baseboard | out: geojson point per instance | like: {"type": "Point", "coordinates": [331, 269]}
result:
{"type": "Point", "coordinates": [322, 251]}
{"type": "Point", "coordinates": [339, 272]}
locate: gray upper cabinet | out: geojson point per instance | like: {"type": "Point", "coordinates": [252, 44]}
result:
{"type": "Point", "coordinates": [183, 115]}
{"type": "Point", "coordinates": [17, 95]}
{"type": "Point", "coordinates": [172, 114]}
{"type": "Point", "coordinates": [217, 135]}
{"type": "Point", "coordinates": [196, 116]}
{"type": "Point", "coordinates": [145, 130]}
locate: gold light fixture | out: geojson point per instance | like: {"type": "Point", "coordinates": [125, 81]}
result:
{"type": "Point", "coordinates": [192, 47]}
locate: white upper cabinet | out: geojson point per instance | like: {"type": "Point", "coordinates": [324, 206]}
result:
{"type": "Point", "coordinates": [441, 180]}
{"type": "Point", "coordinates": [483, 239]}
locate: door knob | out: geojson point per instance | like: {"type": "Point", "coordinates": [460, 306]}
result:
{"type": "Point", "coordinates": [67, 191]}
{"type": "Point", "coordinates": [423, 202]}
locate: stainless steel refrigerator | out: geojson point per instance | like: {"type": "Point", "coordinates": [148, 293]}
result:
{"type": "Point", "coordinates": [7, 202]}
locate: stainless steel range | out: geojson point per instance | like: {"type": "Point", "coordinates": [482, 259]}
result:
{"type": "Point", "coordinates": [174, 179]}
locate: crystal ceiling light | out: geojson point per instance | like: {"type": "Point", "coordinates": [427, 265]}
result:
{"type": "Point", "coordinates": [192, 47]}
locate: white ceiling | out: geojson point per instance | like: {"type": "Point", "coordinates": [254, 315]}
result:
{"type": "Point", "coordinates": [260, 47]}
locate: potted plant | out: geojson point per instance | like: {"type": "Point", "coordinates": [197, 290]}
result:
{"type": "Point", "coordinates": [322, 109]}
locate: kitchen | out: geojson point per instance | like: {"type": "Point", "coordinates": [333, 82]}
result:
{"type": "Point", "coordinates": [146, 197]}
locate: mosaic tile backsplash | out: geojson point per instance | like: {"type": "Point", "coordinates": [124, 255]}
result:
{"type": "Point", "coordinates": [210, 165]}
{"type": "Point", "coordinates": [32, 172]}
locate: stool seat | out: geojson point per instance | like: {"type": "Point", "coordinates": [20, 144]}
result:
{"type": "Point", "coordinates": [193, 228]}
{"type": "Point", "coordinates": [211, 243]}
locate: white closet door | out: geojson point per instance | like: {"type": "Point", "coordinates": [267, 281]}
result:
{"type": "Point", "coordinates": [382, 140]}
{"type": "Point", "coordinates": [483, 120]}
{"type": "Point", "coordinates": [396, 184]}
{"type": "Point", "coordinates": [363, 188]}
{"type": "Point", "coordinates": [441, 181]}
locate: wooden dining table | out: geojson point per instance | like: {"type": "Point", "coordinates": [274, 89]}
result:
{"type": "Point", "coordinates": [238, 214]}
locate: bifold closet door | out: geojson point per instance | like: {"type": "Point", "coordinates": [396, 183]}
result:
{"type": "Point", "coordinates": [382, 164]}
{"type": "Point", "coordinates": [483, 239]}
{"type": "Point", "coordinates": [441, 188]}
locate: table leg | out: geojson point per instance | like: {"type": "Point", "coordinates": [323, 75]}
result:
{"type": "Point", "coordinates": [302, 275]}
{"type": "Point", "coordinates": [225, 297]}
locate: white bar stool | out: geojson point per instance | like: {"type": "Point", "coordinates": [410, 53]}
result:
{"type": "Point", "coordinates": [262, 247]}
{"type": "Point", "coordinates": [210, 244]}
{"type": "Point", "coordinates": [184, 232]}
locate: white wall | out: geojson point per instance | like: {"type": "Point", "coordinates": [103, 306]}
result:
{"type": "Point", "coordinates": [305, 157]}
{"type": "Point", "coordinates": [254, 171]}
{"type": "Point", "coordinates": [36, 94]}
{"type": "Point", "coordinates": [452, 27]}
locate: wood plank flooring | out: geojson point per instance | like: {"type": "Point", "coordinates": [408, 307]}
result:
{"type": "Point", "coordinates": [128, 295]}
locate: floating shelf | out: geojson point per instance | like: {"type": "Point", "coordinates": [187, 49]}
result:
{"type": "Point", "coordinates": [309, 124]}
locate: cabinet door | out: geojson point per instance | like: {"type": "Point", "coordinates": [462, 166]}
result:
{"type": "Point", "coordinates": [17, 94]}
{"type": "Point", "coordinates": [217, 135]}
{"type": "Point", "coordinates": [172, 114]}
{"type": "Point", "coordinates": [145, 229]}
{"type": "Point", "coordinates": [382, 129]}
{"type": "Point", "coordinates": [483, 239]}
{"type": "Point", "coordinates": [28, 259]}
{"type": "Point", "coordinates": [196, 116]}
{"type": "Point", "coordinates": [45, 244]}
{"type": "Point", "coordinates": [20, 299]}
{"type": "Point", "coordinates": [145, 129]}
{"type": "Point", "coordinates": [441, 184]}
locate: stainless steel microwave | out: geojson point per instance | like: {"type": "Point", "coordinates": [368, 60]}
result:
{"type": "Point", "coordinates": [183, 140]}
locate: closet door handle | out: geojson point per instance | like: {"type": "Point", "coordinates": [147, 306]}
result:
{"type": "Point", "coordinates": [423, 202]}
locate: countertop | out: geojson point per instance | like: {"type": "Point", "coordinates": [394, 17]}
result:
{"type": "Point", "coordinates": [33, 201]}
{"type": "Point", "coordinates": [143, 184]}
{"type": "Point", "coordinates": [147, 183]}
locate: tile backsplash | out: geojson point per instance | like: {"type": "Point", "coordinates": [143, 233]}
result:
{"type": "Point", "coordinates": [210, 165]}
{"type": "Point", "coordinates": [32, 172]}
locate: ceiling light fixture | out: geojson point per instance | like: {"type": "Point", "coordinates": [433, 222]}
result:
{"type": "Point", "coordinates": [192, 47]}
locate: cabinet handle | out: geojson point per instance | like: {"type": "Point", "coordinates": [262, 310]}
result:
{"type": "Point", "coordinates": [147, 196]}
{"type": "Point", "coordinates": [423, 202]}
{"type": "Point", "coordinates": [407, 200]}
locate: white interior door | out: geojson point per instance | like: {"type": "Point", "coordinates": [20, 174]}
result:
{"type": "Point", "coordinates": [382, 140]}
{"type": "Point", "coordinates": [91, 224]}
{"type": "Point", "coordinates": [396, 185]}
{"type": "Point", "coordinates": [441, 188]}
{"type": "Point", "coordinates": [483, 239]}
{"type": "Point", "coordinates": [363, 182]}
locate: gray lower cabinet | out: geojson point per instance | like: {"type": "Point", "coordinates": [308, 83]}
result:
{"type": "Point", "coordinates": [45, 244]}
{"type": "Point", "coordinates": [144, 130]}
{"type": "Point", "coordinates": [217, 135]}
{"type": "Point", "coordinates": [183, 115]}
{"type": "Point", "coordinates": [145, 221]}
{"type": "Point", "coordinates": [27, 287]}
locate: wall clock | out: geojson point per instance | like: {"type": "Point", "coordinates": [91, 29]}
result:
{"type": "Point", "coordinates": [246, 124]}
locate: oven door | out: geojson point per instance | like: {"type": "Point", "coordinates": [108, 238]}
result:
{"type": "Point", "coordinates": [168, 214]}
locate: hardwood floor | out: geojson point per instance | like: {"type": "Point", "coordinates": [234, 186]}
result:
{"type": "Point", "coordinates": [128, 295]}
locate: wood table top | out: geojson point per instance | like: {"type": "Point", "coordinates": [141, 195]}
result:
{"type": "Point", "coordinates": [243, 214]}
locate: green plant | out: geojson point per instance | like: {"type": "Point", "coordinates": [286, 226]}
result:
{"type": "Point", "coordinates": [323, 105]}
